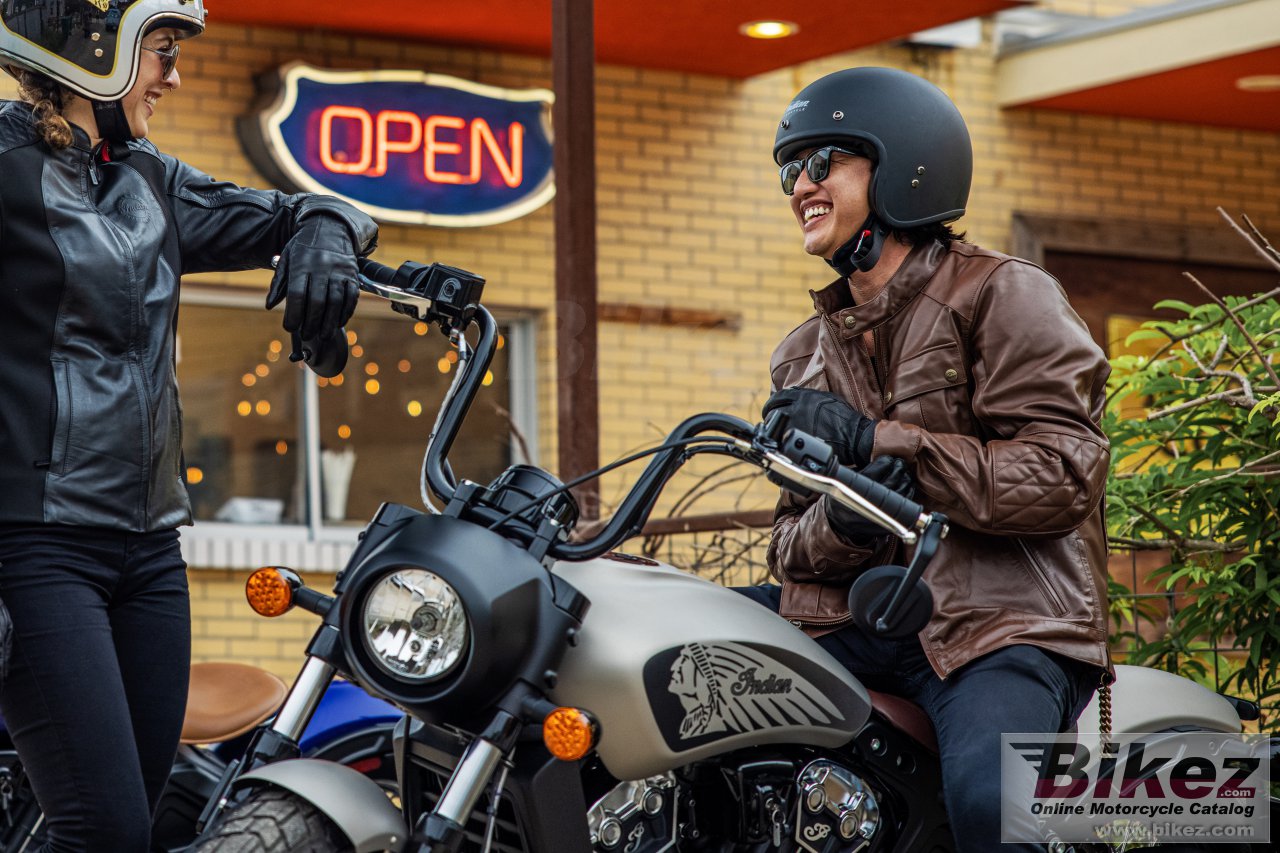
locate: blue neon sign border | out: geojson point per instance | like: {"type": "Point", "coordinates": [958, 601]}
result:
{"type": "Point", "coordinates": [270, 120]}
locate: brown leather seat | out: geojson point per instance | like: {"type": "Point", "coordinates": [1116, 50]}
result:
{"type": "Point", "coordinates": [228, 699]}
{"type": "Point", "coordinates": [906, 716]}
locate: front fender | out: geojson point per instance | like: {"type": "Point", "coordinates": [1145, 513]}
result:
{"type": "Point", "coordinates": [351, 800]}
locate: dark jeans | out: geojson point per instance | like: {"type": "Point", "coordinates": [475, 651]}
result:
{"type": "Point", "coordinates": [1014, 689]}
{"type": "Point", "coordinates": [97, 682]}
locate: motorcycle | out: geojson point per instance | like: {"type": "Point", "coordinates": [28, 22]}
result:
{"type": "Point", "coordinates": [226, 702]}
{"type": "Point", "coordinates": [562, 697]}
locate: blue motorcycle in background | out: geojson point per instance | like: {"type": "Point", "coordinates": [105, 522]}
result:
{"type": "Point", "coordinates": [227, 701]}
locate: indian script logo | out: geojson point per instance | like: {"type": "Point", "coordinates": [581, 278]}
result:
{"type": "Point", "coordinates": [727, 687]}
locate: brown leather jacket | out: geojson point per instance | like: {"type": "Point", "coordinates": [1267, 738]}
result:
{"type": "Point", "coordinates": [990, 387]}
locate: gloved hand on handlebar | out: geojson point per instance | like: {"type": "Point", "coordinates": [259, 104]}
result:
{"type": "Point", "coordinates": [890, 472]}
{"type": "Point", "coordinates": [317, 277]}
{"type": "Point", "coordinates": [823, 415]}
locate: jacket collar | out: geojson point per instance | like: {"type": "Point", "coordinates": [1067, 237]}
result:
{"type": "Point", "coordinates": [835, 300]}
{"type": "Point", "coordinates": [18, 126]}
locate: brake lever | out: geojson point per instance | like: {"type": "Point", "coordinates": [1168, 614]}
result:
{"type": "Point", "coordinates": [814, 479]}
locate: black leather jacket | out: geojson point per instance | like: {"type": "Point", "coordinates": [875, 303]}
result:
{"type": "Point", "coordinates": [90, 258]}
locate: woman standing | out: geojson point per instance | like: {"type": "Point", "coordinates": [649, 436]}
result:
{"type": "Point", "coordinates": [96, 228]}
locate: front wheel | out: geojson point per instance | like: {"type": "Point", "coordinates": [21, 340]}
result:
{"type": "Point", "coordinates": [272, 820]}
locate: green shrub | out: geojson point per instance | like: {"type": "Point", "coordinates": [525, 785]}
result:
{"type": "Point", "coordinates": [1198, 477]}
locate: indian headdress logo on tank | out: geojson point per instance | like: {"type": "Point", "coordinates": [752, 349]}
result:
{"type": "Point", "coordinates": [405, 146]}
{"type": "Point", "coordinates": [727, 687]}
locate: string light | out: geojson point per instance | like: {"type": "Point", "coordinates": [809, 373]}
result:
{"type": "Point", "coordinates": [371, 368]}
{"type": "Point", "coordinates": [404, 365]}
{"type": "Point", "coordinates": [420, 328]}
{"type": "Point", "coordinates": [357, 351]}
{"type": "Point", "coordinates": [282, 447]}
{"type": "Point", "coordinates": [372, 387]}
{"type": "Point", "coordinates": [248, 380]}
{"type": "Point", "coordinates": [275, 347]}
{"type": "Point", "coordinates": [351, 337]}
{"type": "Point", "coordinates": [443, 365]}
{"type": "Point", "coordinates": [414, 408]}
{"type": "Point", "coordinates": [344, 432]}
{"type": "Point", "coordinates": [262, 370]}
{"type": "Point", "coordinates": [244, 408]}
{"type": "Point", "coordinates": [194, 475]}
{"type": "Point", "coordinates": [263, 407]}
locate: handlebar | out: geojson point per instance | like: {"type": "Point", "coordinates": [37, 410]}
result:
{"type": "Point", "coordinates": [450, 298]}
{"type": "Point", "coordinates": [810, 463]}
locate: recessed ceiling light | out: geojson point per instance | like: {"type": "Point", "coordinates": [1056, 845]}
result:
{"type": "Point", "coordinates": [1259, 83]}
{"type": "Point", "coordinates": [769, 29]}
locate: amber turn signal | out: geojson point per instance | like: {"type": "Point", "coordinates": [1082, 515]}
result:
{"type": "Point", "coordinates": [569, 733]}
{"type": "Point", "coordinates": [270, 590]}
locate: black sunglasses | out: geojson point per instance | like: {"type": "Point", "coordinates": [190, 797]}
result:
{"type": "Point", "coordinates": [817, 164]}
{"type": "Point", "coordinates": [168, 60]}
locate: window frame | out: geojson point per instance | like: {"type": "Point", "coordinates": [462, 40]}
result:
{"type": "Point", "coordinates": [308, 545]}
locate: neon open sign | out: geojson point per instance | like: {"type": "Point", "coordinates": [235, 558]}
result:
{"type": "Point", "coordinates": [406, 146]}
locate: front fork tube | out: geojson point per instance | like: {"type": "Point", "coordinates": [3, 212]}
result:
{"type": "Point", "coordinates": [279, 739]}
{"type": "Point", "coordinates": [443, 830]}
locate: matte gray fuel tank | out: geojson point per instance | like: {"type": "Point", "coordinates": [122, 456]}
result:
{"type": "Point", "coordinates": [677, 669]}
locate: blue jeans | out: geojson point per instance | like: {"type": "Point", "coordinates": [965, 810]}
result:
{"type": "Point", "coordinates": [1013, 689]}
{"type": "Point", "coordinates": [97, 682]}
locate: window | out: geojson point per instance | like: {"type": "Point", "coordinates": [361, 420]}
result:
{"type": "Point", "coordinates": [268, 442]}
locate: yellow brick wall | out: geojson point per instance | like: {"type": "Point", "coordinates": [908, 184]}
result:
{"type": "Point", "coordinates": [690, 215]}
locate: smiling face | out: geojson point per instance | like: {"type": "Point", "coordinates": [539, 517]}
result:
{"type": "Point", "coordinates": [830, 212]}
{"type": "Point", "coordinates": [140, 104]}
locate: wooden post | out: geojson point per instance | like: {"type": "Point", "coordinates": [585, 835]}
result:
{"type": "Point", "coordinates": [573, 119]}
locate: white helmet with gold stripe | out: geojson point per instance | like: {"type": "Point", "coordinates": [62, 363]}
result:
{"type": "Point", "coordinates": [90, 46]}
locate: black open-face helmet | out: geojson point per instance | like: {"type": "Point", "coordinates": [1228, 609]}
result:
{"type": "Point", "coordinates": [90, 46]}
{"type": "Point", "coordinates": [913, 133]}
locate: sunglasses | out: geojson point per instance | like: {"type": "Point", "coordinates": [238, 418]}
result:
{"type": "Point", "coordinates": [817, 165]}
{"type": "Point", "coordinates": [168, 60]}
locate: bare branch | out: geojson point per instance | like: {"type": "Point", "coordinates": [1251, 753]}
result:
{"type": "Point", "coordinates": [1239, 325]}
{"type": "Point", "coordinates": [1174, 339]}
{"type": "Point", "coordinates": [1149, 516]}
{"type": "Point", "coordinates": [1256, 240]}
{"type": "Point", "coordinates": [1207, 398]}
{"type": "Point", "coordinates": [1235, 471]}
{"type": "Point", "coordinates": [1190, 545]}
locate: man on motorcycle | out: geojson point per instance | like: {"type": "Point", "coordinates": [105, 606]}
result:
{"type": "Point", "coordinates": [962, 378]}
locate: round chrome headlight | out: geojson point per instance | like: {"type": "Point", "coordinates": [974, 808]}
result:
{"type": "Point", "coordinates": [415, 625]}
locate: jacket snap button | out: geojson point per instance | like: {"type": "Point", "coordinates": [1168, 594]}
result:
{"type": "Point", "coordinates": [888, 396]}
{"type": "Point", "coordinates": [848, 322]}
{"type": "Point", "coordinates": [951, 374]}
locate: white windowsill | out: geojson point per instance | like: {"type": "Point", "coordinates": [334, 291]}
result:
{"type": "Point", "coordinates": [218, 545]}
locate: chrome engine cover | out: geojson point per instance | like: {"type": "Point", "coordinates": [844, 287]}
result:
{"type": "Point", "coordinates": [835, 810]}
{"type": "Point", "coordinates": [636, 817]}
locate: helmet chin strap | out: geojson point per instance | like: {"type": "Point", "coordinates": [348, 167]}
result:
{"type": "Point", "coordinates": [113, 127]}
{"type": "Point", "coordinates": [862, 250]}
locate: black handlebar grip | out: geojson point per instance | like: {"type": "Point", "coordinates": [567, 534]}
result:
{"type": "Point", "coordinates": [376, 272]}
{"type": "Point", "coordinates": [325, 356]}
{"type": "Point", "coordinates": [905, 512]}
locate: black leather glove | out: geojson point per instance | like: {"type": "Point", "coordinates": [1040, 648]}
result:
{"type": "Point", "coordinates": [823, 415]}
{"type": "Point", "coordinates": [317, 277]}
{"type": "Point", "coordinates": [890, 472]}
